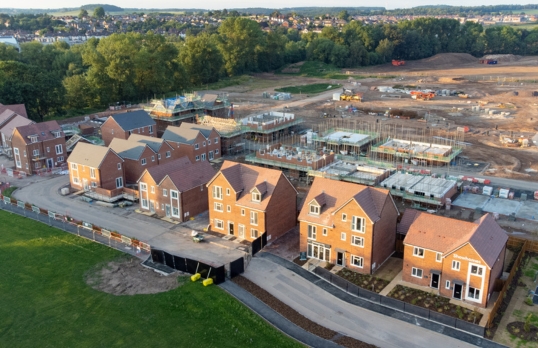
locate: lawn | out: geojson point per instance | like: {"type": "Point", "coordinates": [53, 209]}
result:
{"type": "Point", "coordinates": [7, 192]}
{"type": "Point", "coordinates": [45, 301]}
{"type": "Point", "coordinates": [309, 89]}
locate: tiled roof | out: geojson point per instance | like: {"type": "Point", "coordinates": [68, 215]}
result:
{"type": "Point", "coordinates": [244, 177]}
{"type": "Point", "coordinates": [159, 172]}
{"type": "Point", "coordinates": [336, 194]}
{"type": "Point", "coordinates": [408, 217]}
{"type": "Point", "coordinates": [127, 148]}
{"type": "Point", "coordinates": [445, 235]}
{"type": "Point", "coordinates": [88, 155]}
{"type": "Point", "coordinates": [133, 120]}
{"type": "Point", "coordinates": [154, 143]}
{"type": "Point", "coordinates": [19, 109]}
{"type": "Point", "coordinates": [192, 175]}
{"type": "Point", "coordinates": [186, 133]}
{"type": "Point", "coordinates": [10, 123]}
{"type": "Point", "coordinates": [43, 131]}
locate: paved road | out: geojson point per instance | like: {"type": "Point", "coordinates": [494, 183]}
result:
{"type": "Point", "coordinates": [159, 234]}
{"type": "Point", "coordinates": [333, 313]}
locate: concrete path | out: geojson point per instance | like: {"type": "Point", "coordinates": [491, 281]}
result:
{"type": "Point", "coordinates": [325, 309]}
{"type": "Point", "coordinates": [159, 234]}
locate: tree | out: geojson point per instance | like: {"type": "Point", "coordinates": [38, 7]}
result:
{"type": "Point", "coordinates": [385, 49]}
{"type": "Point", "coordinates": [8, 52]}
{"type": "Point", "coordinates": [99, 12]}
{"type": "Point", "coordinates": [83, 13]}
{"type": "Point", "coordinates": [344, 15]}
{"type": "Point", "coordinates": [201, 59]}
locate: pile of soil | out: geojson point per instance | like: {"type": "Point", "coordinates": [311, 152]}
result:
{"type": "Point", "coordinates": [443, 59]}
{"type": "Point", "coordinates": [528, 93]}
{"type": "Point", "coordinates": [293, 68]}
{"type": "Point", "coordinates": [455, 79]}
{"type": "Point", "coordinates": [503, 57]}
{"type": "Point", "coordinates": [517, 328]}
{"type": "Point", "coordinates": [297, 318]}
{"type": "Point", "coordinates": [129, 277]}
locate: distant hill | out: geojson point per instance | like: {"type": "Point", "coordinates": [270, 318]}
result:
{"type": "Point", "coordinates": [107, 8]}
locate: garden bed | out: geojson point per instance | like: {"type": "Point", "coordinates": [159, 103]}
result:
{"type": "Point", "coordinates": [434, 303]}
{"type": "Point", "coordinates": [517, 328]}
{"type": "Point", "coordinates": [299, 262]}
{"type": "Point", "coordinates": [297, 318]}
{"type": "Point", "coordinates": [364, 281]}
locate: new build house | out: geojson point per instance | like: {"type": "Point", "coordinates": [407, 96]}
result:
{"type": "Point", "coordinates": [9, 120]}
{"type": "Point", "coordinates": [460, 259]}
{"type": "Point", "coordinates": [123, 125]}
{"type": "Point", "coordinates": [176, 190]}
{"type": "Point", "coordinates": [347, 224]}
{"type": "Point", "coordinates": [247, 201]}
{"type": "Point", "coordinates": [38, 146]}
{"type": "Point", "coordinates": [164, 150]}
{"type": "Point", "coordinates": [136, 156]}
{"type": "Point", "coordinates": [97, 168]}
{"type": "Point", "coordinates": [199, 143]}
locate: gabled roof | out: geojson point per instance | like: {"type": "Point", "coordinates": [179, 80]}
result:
{"type": "Point", "coordinates": [133, 120]}
{"type": "Point", "coordinates": [159, 172]}
{"type": "Point", "coordinates": [89, 155]}
{"type": "Point", "coordinates": [42, 130]}
{"type": "Point", "coordinates": [408, 217]}
{"type": "Point", "coordinates": [127, 148]}
{"type": "Point", "coordinates": [192, 175]}
{"type": "Point", "coordinates": [243, 178]}
{"type": "Point", "coordinates": [186, 133]}
{"type": "Point", "coordinates": [445, 235]}
{"type": "Point", "coordinates": [154, 143]}
{"type": "Point", "coordinates": [9, 121]}
{"type": "Point", "coordinates": [336, 194]}
{"type": "Point", "coordinates": [19, 109]}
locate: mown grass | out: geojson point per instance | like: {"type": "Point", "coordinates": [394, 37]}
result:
{"type": "Point", "coordinates": [45, 301]}
{"type": "Point", "coordinates": [7, 192]}
{"type": "Point", "coordinates": [309, 89]}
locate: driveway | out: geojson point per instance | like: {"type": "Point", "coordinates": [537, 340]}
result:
{"type": "Point", "coordinates": [333, 313]}
{"type": "Point", "coordinates": [159, 234]}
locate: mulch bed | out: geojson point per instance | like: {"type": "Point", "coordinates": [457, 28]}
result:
{"type": "Point", "coordinates": [298, 261]}
{"type": "Point", "coordinates": [434, 303]}
{"type": "Point", "coordinates": [517, 328]}
{"type": "Point", "coordinates": [364, 281]}
{"type": "Point", "coordinates": [297, 318]}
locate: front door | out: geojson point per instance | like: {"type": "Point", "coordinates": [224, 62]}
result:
{"type": "Point", "coordinates": [340, 258]}
{"type": "Point", "coordinates": [435, 281]}
{"type": "Point", "coordinates": [85, 184]}
{"type": "Point", "coordinates": [50, 163]}
{"type": "Point", "coordinates": [457, 291]}
{"type": "Point", "coordinates": [231, 228]}
{"type": "Point", "coordinates": [168, 210]}
{"type": "Point", "coordinates": [152, 206]}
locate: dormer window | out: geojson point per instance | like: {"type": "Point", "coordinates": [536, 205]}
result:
{"type": "Point", "coordinates": [57, 134]}
{"type": "Point", "coordinates": [314, 209]}
{"type": "Point", "coordinates": [33, 138]}
{"type": "Point", "coordinates": [256, 196]}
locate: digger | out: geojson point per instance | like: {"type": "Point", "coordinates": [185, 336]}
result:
{"type": "Point", "coordinates": [350, 95]}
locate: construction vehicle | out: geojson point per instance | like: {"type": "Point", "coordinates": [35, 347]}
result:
{"type": "Point", "coordinates": [398, 62]}
{"type": "Point", "coordinates": [350, 95]}
{"type": "Point", "coordinates": [463, 95]}
{"type": "Point", "coordinates": [419, 95]}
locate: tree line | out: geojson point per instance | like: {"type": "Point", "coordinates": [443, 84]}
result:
{"type": "Point", "coordinates": [132, 67]}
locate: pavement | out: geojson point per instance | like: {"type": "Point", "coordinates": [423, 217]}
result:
{"type": "Point", "coordinates": [331, 312]}
{"type": "Point", "coordinates": [173, 238]}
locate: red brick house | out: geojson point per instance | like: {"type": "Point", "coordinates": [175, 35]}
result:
{"type": "Point", "coordinates": [123, 125]}
{"type": "Point", "coordinates": [247, 201]}
{"type": "Point", "coordinates": [164, 150]}
{"type": "Point", "coordinates": [176, 190]}
{"type": "Point", "coordinates": [460, 259]}
{"type": "Point", "coordinates": [137, 156]}
{"type": "Point", "coordinates": [93, 167]}
{"type": "Point", "coordinates": [9, 120]}
{"type": "Point", "coordinates": [38, 146]}
{"type": "Point", "coordinates": [199, 143]}
{"type": "Point", "coordinates": [348, 224]}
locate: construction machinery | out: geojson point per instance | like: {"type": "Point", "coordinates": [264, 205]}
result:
{"type": "Point", "coordinates": [398, 62]}
{"type": "Point", "coordinates": [419, 95]}
{"type": "Point", "coordinates": [350, 95]}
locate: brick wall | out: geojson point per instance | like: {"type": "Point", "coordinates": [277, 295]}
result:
{"type": "Point", "coordinates": [111, 129]}
{"type": "Point", "coordinates": [384, 234]}
{"type": "Point", "coordinates": [281, 210]}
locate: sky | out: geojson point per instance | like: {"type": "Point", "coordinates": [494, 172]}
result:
{"type": "Point", "coordinates": [219, 4]}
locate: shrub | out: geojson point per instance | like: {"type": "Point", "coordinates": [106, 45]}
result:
{"type": "Point", "coordinates": [527, 326]}
{"type": "Point", "coordinates": [528, 301]}
{"type": "Point", "coordinates": [414, 301]}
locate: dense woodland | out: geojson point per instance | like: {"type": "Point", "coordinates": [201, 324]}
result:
{"type": "Point", "coordinates": [132, 67]}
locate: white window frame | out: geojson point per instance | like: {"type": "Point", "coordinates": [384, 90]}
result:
{"type": "Point", "coordinates": [362, 227]}
{"type": "Point", "coordinates": [229, 208]}
{"type": "Point", "coordinates": [324, 231]}
{"type": "Point", "coordinates": [35, 152]}
{"type": "Point", "coordinates": [343, 236]}
{"type": "Point", "coordinates": [241, 230]}
{"type": "Point", "coordinates": [256, 197]}
{"type": "Point", "coordinates": [344, 217]}
{"type": "Point", "coordinates": [208, 141]}
{"type": "Point", "coordinates": [119, 166]}
{"type": "Point", "coordinates": [219, 224]}
{"type": "Point", "coordinates": [312, 232]}
{"type": "Point", "coordinates": [253, 233]}
{"type": "Point", "coordinates": [203, 143]}
{"type": "Point", "coordinates": [479, 270]}
{"type": "Point", "coordinates": [48, 149]}
{"type": "Point", "coordinates": [165, 193]}
{"type": "Point", "coordinates": [217, 192]}
{"type": "Point", "coordinates": [254, 218]}
{"type": "Point", "coordinates": [415, 271]}
{"type": "Point", "coordinates": [168, 154]}
{"type": "Point", "coordinates": [197, 158]}
{"type": "Point", "coordinates": [217, 206]}
{"type": "Point", "coordinates": [211, 157]}
{"type": "Point", "coordinates": [59, 149]}
{"type": "Point", "coordinates": [474, 296]}
{"type": "Point", "coordinates": [456, 265]}
{"type": "Point", "coordinates": [216, 140]}
{"type": "Point", "coordinates": [92, 173]}
{"type": "Point", "coordinates": [196, 147]}
{"type": "Point", "coordinates": [447, 285]}
{"type": "Point", "coordinates": [150, 129]}
{"type": "Point", "coordinates": [314, 209]}
{"type": "Point", "coordinates": [152, 189]}
{"type": "Point", "coordinates": [418, 252]}
{"type": "Point", "coordinates": [357, 241]}
{"type": "Point", "coordinates": [119, 182]}
{"type": "Point", "coordinates": [152, 158]}
{"type": "Point", "coordinates": [143, 161]}
{"type": "Point", "coordinates": [358, 259]}
{"type": "Point", "coordinates": [216, 151]}
{"type": "Point", "coordinates": [203, 157]}
{"type": "Point", "coordinates": [439, 257]}
{"type": "Point", "coordinates": [242, 212]}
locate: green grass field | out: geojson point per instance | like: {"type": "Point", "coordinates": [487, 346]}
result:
{"type": "Point", "coordinates": [45, 301]}
{"type": "Point", "coordinates": [309, 89]}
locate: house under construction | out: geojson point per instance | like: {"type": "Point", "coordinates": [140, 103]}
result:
{"type": "Point", "coordinates": [348, 138]}
{"type": "Point", "coordinates": [265, 127]}
{"type": "Point", "coordinates": [174, 111]}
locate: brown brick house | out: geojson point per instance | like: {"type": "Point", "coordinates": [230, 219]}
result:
{"type": "Point", "coordinates": [136, 156]}
{"type": "Point", "coordinates": [199, 143]}
{"type": "Point", "coordinates": [123, 125]}
{"type": "Point", "coordinates": [461, 259]}
{"type": "Point", "coordinates": [38, 146]}
{"type": "Point", "coordinates": [164, 150]}
{"type": "Point", "coordinates": [92, 167]}
{"type": "Point", "coordinates": [247, 201]}
{"type": "Point", "coordinates": [176, 190]}
{"type": "Point", "coordinates": [9, 120]}
{"type": "Point", "coordinates": [348, 224]}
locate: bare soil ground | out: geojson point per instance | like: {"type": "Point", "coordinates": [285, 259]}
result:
{"type": "Point", "coordinates": [128, 277]}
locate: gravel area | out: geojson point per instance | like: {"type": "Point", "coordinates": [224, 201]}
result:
{"type": "Point", "coordinates": [296, 318]}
